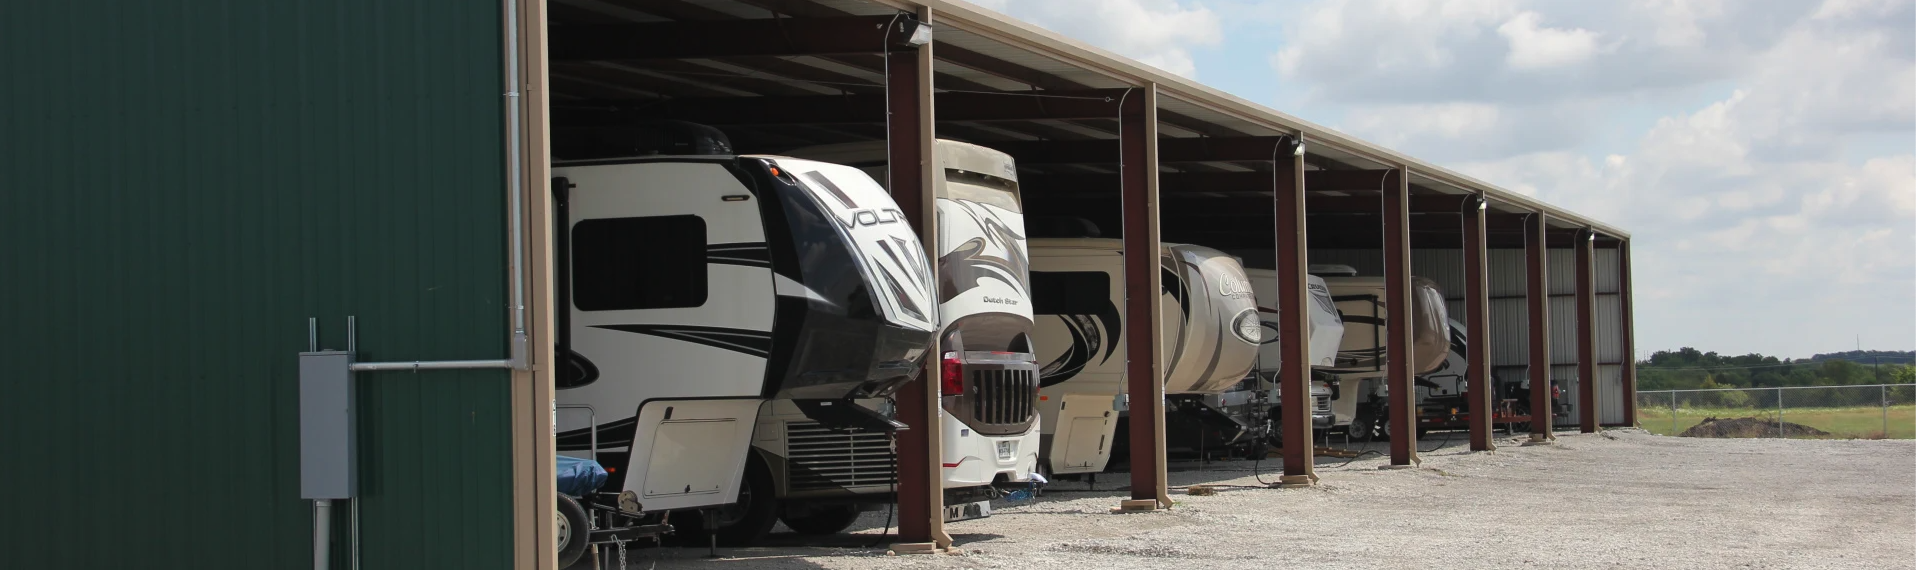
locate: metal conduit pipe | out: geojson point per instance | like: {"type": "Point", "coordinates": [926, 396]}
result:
{"type": "Point", "coordinates": [430, 365]}
{"type": "Point", "coordinates": [520, 347]}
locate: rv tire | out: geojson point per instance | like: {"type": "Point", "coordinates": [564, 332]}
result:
{"type": "Point", "coordinates": [574, 531]}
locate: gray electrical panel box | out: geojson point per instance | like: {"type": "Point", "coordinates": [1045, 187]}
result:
{"type": "Point", "coordinates": [326, 438]}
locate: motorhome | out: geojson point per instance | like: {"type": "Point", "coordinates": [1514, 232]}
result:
{"type": "Point", "coordinates": [694, 289]}
{"type": "Point", "coordinates": [988, 373]}
{"type": "Point", "coordinates": [1360, 369]}
{"type": "Point", "coordinates": [1208, 318]}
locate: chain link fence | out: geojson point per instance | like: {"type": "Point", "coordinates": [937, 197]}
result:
{"type": "Point", "coordinates": [1871, 411]}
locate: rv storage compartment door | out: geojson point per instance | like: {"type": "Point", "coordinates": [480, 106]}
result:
{"type": "Point", "coordinates": [694, 458]}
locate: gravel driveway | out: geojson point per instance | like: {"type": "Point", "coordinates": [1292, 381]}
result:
{"type": "Point", "coordinates": [1621, 499]}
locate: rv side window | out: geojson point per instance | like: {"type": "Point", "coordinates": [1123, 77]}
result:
{"type": "Point", "coordinates": [623, 264]}
{"type": "Point", "coordinates": [1070, 292]}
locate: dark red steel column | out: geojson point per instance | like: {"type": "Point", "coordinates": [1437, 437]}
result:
{"type": "Point", "coordinates": [1144, 381]}
{"type": "Point", "coordinates": [1626, 327]}
{"type": "Point", "coordinates": [1397, 342]}
{"type": "Point", "coordinates": [1537, 292]}
{"type": "Point", "coordinates": [1477, 322]}
{"type": "Point", "coordinates": [1294, 374]}
{"type": "Point", "coordinates": [908, 93]}
{"type": "Point", "coordinates": [1587, 400]}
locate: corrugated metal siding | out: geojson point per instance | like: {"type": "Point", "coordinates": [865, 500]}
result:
{"type": "Point", "coordinates": [1563, 330]}
{"type": "Point", "coordinates": [1509, 316]}
{"type": "Point", "coordinates": [1510, 332]}
{"type": "Point", "coordinates": [1610, 395]}
{"type": "Point", "coordinates": [1506, 268]}
{"type": "Point", "coordinates": [188, 182]}
{"type": "Point", "coordinates": [1609, 327]}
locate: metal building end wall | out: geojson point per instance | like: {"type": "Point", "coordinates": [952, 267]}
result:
{"type": "Point", "coordinates": [188, 183]}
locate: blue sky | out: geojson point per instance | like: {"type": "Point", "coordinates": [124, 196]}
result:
{"type": "Point", "coordinates": [1761, 152]}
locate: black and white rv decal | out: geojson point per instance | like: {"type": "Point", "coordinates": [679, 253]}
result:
{"type": "Point", "coordinates": [696, 287]}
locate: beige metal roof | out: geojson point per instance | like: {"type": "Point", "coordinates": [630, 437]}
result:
{"type": "Point", "coordinates": [1028, 91]}
{"type": "Point", "coordinates": [1053, 53]}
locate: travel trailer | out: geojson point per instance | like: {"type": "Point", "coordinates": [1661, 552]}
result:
{"type": "Point", "coordinates": [988, 374]}
{"type": "Point", "coordinates": [694, 289]}
{"type": "Point", "coordinates": [1360, 368]}
{"type": "Point", "coordinates": [1208, 317]}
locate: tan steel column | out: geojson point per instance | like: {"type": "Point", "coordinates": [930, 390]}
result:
{"type": "Point", "coordinates": [1627, 329]}
{"type": "Point", "coordinates": [1398, 347]}
{"type": "Point", "coordinates": [1143, 284]}
{"type": "Point", "coordinates": [1537, 269]}
{"type": "Point", "coordinates": [1587, 401]}
{"type": "Point", "coordinates": [913, 164]}
{"type": "Point", "coordinates": [1477, 321]}
{"type": "Point", "coordinates": [1293, 267]}
{"type": "Point", "coordinates": [534, 483]}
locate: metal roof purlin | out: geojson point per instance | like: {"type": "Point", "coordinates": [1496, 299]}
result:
{"type": "Point", "coordinates": [1017, 33]}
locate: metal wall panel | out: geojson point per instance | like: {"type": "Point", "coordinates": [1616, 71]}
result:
{"type": "Point", "coordinates": [1609, 329]}
{"type": "Point", "coordinates": [1506, 267]}
{"type": "Point", "coordinates": [1563, 330]}
{"type": "Point", "coordinates": [1610, 392]}
{"type": "Point", "coordinates": [1510, 340]}
{"type": "Point", "coordinates": [1444, 266]}
{"type": "Point", "coordinates": [188, 182]}
{"type": "Point", "coordinates": [1607, 274]}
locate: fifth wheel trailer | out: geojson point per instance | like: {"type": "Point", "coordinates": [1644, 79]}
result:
{"type": "Point", "coordinates": [1360, 367]}
{"type": "Point", "coordinates": [1209, 320]}
{"type": "Point", "coordinates": [696, 288]}
{"type": "Point", "coordinates": [988, 373]}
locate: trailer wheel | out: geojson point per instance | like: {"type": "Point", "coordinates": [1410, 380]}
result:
{"type": "Point", "coordinates": [1364, 425]}
{"type": "Point", "coordinates": [742, 523]}
{"type": "Point", "coordinates": [823, 520]}
{"type": "Point", "coordinates": [574, 533]}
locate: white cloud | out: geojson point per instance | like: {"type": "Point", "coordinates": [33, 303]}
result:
{"type": "Point", "coordinates": [1761, 152]}
{"type": "Point", "coordinates": [1535, 47]}
{"type": "Point", "coordinates": [1161, 33]}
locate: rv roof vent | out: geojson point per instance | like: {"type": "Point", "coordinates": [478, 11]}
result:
{"type": "Point", "coordinates": [1333, 270]}
{"type": "Point", "coordinates": [1060, 227]}
{"type": "Point", "coordinates": [643, 139]}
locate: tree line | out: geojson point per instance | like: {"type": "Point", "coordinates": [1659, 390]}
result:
{"type": "Point", "coordinates": [1691, 369]}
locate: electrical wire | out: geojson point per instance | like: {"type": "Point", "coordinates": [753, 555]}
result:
{"type": "Point", "coordinates": [891, 507]}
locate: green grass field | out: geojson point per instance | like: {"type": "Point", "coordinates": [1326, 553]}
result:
{"type": "Point", "coordinates": [1864, 422]}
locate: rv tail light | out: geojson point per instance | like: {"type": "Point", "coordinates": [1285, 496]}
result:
{"type": "Point", "coordinates": [951, 377]}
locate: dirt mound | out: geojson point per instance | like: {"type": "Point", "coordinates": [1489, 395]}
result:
{"type": "Point", "coordinates": [1749, 427]}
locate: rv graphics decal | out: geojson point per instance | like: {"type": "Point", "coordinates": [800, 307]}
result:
{"type": "Point", "coordinates": [960, 269]}
{"type": "Point", "coordinates": [1089, 335]}
{"type": "Point", "coordinates": [751, 254]}
{"type": "Point", "coordinates": [751, 342]}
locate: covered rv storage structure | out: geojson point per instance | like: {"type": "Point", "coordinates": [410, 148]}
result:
{"type": "Point", "coordinates": [192, 184]}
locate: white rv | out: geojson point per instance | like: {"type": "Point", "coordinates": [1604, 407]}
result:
{"type": "Point", "coordinates": [1360, 367]}
{"type": "Point", "coordinates": [695, 289]}
{"type": "Point", "coordinates": [1326, 335]}
{"type": "Point", "coordinates": [988, 374]}
{"type": "Point", "coordinates": [1209, 322]}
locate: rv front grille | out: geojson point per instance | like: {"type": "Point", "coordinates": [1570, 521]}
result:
{"type": "Point", "coordinates": [1004, 396]}
{"type": "Point", "coordinates": [1321, 404]}
{"type": "Point", "coordinates": [821, 458]}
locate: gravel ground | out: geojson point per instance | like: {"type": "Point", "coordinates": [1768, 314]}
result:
{"type": "Point", "coordinates": [1621, 499]}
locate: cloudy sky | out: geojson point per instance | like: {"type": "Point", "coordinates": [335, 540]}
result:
{"type": "Point", "coordinates": [1761, 153]}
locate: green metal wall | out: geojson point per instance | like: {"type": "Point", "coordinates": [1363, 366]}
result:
{"type": "Point", "coordinates": [182, 184]}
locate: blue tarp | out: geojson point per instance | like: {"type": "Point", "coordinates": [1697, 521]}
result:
{"type": "Point", "coordinates": [579, 476]}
